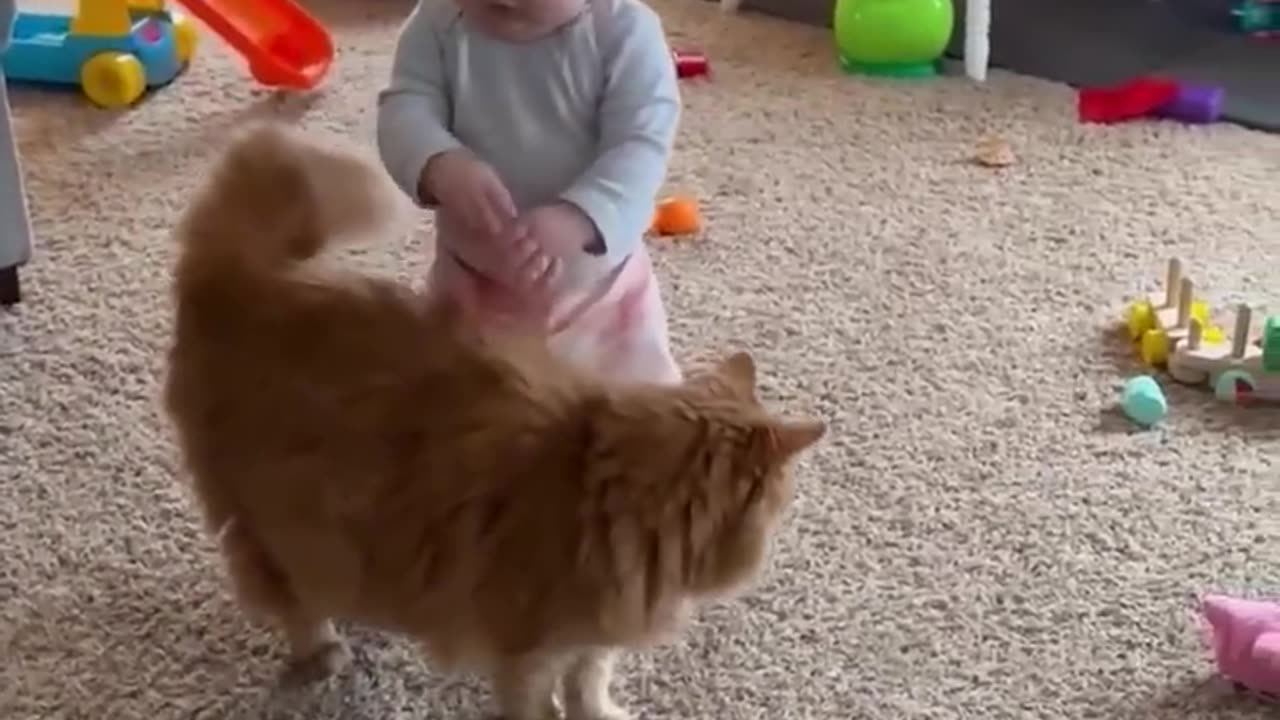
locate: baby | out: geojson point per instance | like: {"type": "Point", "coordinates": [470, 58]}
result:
{"type": "Point", "coordinates": [539, 132]}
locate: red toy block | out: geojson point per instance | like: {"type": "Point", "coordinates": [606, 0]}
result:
{"type": "Point", "coordinates": [1135, 99]}
{"type": "Point", "coordinates": [691, 64]}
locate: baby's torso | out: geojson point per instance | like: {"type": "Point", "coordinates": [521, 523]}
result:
{"type": "Point", "coordinates": [528, 109]}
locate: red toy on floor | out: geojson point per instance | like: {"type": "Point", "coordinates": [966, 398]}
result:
{"type": "Point", "coordinates": [690, 63]}
{"type": "Point", "coordinates": [1135, 99]}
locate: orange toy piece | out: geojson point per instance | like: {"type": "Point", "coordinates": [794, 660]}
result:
{"type": "Point", "coordinates": [286, 47]}
{"type": "Point", "coordinates": [677, 216]}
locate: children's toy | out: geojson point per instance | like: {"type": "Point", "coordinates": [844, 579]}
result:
{"type": "Point", "coordinates": [1173, 331]}
{"type": "Point", "coordinates": [1258, 17]}
{"type": "Point", "coordinates": [1148, 97]}
{"type": "Point", "coordinates": [1238, 371]}
{"type": "Point", "coordinates": [892, 38]}
{"type": "Point", "coordinates": [116, 50]}
{"type": "Point", "coordinates": [113, 49]}
{"type": "Point", "coordinates": [1194, 105]}
{"type": "Point", "coordinates": [1159, 321]}
{"type": "Point", "coordinates": [691, 64]}
{"type": "Point", "coordinates": [1143, 401]}
{"type": "Point", "coordinates": [1135, 99]}
{"type": "Point", "coordinates": [677, 216]}
{"type": "Point", "coordinates": [1245, 636]}
{"type": "Point", "coordinates": [285, 46]}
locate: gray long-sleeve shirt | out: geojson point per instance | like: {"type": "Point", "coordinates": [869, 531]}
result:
{"type": "Point", "coordinates": [587, 114]}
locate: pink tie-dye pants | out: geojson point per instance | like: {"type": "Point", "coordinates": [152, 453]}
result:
{"type": "Point", "coordinates": [616, 328]}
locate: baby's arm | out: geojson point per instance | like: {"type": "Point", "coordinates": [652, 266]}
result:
{"type": "Point", "coordinates": [413, 111]}
{"type": "Point", "coordinates": [638, 119]}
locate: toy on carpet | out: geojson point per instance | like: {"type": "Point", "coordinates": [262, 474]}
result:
{"type": "Point", "coordinates": [1238, 370]}
{"type": "Point", "coordinates": [1245, 637]}
{"type": "Point", "coordinates": [893, 38]}
{"type": "Point", "coordinates": [1156, 323]}
{"type": "Point", "coordinates": [116, 50]}
{"type": "Point", "coordinates": [1260, 18]}
{"type": "Point", "coordinates": [1143, 401]}
{"type": "Point", "coordinates": [1173, 331]}
{"type": "Point", "coordinates": [677, 216]}
{"type": "Point", "coordinates": [1151, 97]}
{"type": "Point", "coordinates": [286, 47]}
{"type": "Point", "coordinates": [690, 64]}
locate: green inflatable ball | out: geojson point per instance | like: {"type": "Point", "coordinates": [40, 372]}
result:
{"type": "Point", "coordinates": [893, 38]}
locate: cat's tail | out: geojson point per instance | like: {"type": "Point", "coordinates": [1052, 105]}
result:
{"type": "Point", "coordinates": [277, 197]}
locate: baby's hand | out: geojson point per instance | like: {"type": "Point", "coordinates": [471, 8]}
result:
{"type": "Point", "coordinates": [470, 190]}
{"type": "Point", "coordinates": [542, 239]}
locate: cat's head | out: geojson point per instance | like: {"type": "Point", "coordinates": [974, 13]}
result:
{"type": "Point", "coordinates": [747, 483]}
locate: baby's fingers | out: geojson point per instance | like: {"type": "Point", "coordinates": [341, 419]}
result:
{"type": "Point", "coordinates": [488, 220]}
{"type": "Point", "coordinates": [498, 209]}
{"type": "Point", "coordinates": [548, 269]}
{"type": "Point", "coordinates": [515, 239]}
{"type": "Point", "coordinates": [530, 269]}
{"type": "Point", "coordinates": [552, 273]}
{"type": "Point", "coordinates": [502, 200]}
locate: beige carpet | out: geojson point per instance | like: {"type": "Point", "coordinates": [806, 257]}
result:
{"type": "Point", "coordinates": [981, 538]}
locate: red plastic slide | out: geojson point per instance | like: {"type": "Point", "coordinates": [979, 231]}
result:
{"type": "Point", "coordinates": [285, 46]}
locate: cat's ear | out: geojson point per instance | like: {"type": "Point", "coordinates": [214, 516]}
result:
{"type": "Point", "coordinates": [787, 438]}
{"type": "Point", "coordinates": [739, 370]}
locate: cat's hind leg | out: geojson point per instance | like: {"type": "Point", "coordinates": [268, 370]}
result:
{"type": "Point", "coordinates": [586, 687]}
{"type": "Point", "coordinates": [263, 588]}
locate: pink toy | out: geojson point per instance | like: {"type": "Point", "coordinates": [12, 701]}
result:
{"type": "Point", "coordinates": [1246, 641]}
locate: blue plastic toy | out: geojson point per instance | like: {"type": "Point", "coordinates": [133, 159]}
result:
{"type": "Point", "coordinates": [1261, 17]}
{"type": "Point", "coordinates": [1143, 401]}
{"type": "Point", "coordinates": [115, 50]}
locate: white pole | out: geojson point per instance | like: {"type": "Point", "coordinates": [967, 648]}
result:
{"type": "Point", "coordinates": [977, 38]}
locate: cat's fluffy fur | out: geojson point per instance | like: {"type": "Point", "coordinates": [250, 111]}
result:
{"type": "Point", "coordinates": [362, 456]}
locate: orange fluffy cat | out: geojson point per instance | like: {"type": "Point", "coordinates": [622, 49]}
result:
{"type": "Point", "coordinates": [361, 456]}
